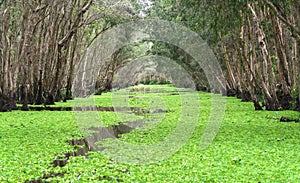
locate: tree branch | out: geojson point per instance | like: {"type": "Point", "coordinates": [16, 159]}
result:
{"type": "Point", "coordinates": [76, 23]}
{"type": "Point", "coordinates": [283, 19]}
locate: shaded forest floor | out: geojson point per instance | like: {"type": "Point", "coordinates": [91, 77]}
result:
{"type": "Point", "coordinates": [251, 146]}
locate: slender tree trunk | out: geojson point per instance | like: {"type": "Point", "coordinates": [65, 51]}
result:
{"type": "Point", "coordinates": [268, 79]}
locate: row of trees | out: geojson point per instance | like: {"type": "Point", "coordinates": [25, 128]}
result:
{"type": "Point", "coordinates": [42, 41]}
{"type": "Point", "coordinates": [257, 43]}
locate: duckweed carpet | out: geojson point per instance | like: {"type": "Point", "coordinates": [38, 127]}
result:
{"type": "Point", "coordinates": [251, 146]}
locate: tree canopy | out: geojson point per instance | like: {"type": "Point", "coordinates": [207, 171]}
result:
{"type": "Point", "coordinates": [256, 42]}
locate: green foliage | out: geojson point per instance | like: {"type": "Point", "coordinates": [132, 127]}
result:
{"type": "Point", "coordinates": [251, 146]}
{"type": "Point", "coordinates": [30, 141]}
{"type": "Point", "coordinates": [155, 81]}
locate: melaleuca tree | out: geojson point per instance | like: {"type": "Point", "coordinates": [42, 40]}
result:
{"type": "Point", "coordinates": [257, 43]}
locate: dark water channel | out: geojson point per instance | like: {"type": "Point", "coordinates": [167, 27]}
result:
{"type": "Point", "coordinates": [83, 146]}
{"type": "Point", "coordinates": [85, 108]}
